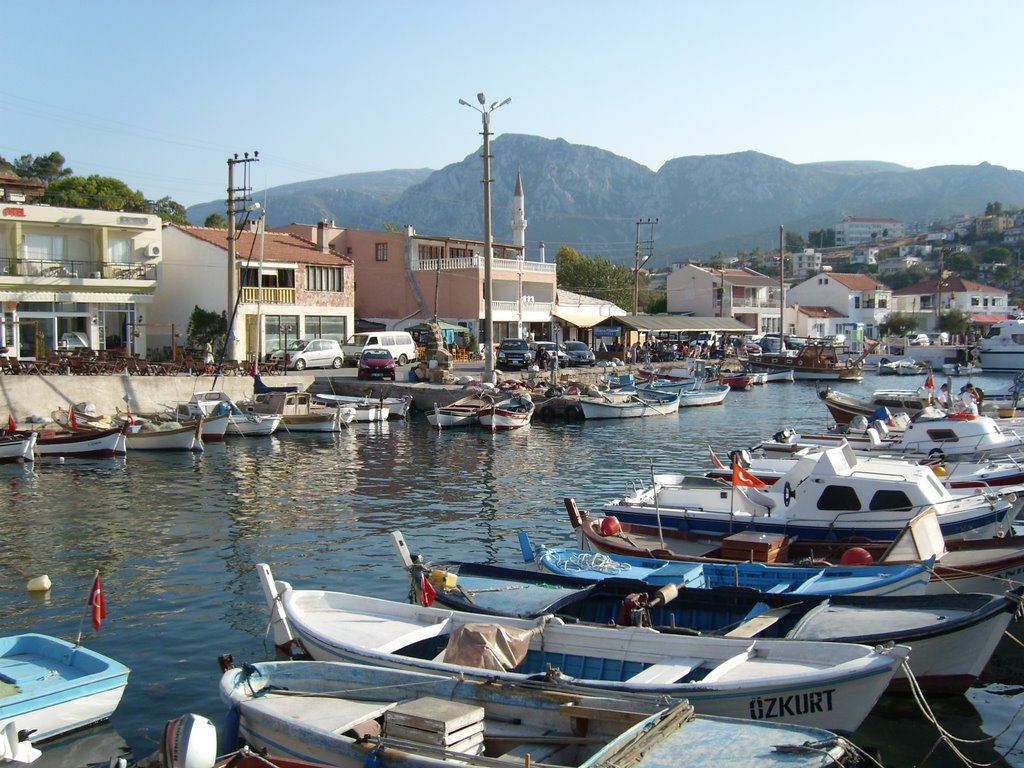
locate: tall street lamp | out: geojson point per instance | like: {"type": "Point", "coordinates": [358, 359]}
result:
{"type": "Point", "coordinates": [485, 113]}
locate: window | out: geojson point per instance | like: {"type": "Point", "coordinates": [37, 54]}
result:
{"type": "Point", "coordinates": [381, 251]}
{"type": "Point", "coordinates": [839, 498]}
{"type": "Point", "coordinates": [325, 279]}
{"type": "Point", "coordinates": [942, 435]}
{"type": "Point", "coordinates": [884, 500]}
{"type": "Point", "coordinates": [326, 327]}
{"type": "Point", "coordinates": [427, 253]}
{"type": "Point", "coordinates": [856, 302]}
{"type": "Point", "coordinates": [460, 253]}
{"type": "Point", "coordinates": [119, 251]}
{"type": "Point", "coordinates": [44, 247]}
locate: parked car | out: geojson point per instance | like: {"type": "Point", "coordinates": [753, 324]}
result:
{"type": "Point", "coordinates": [399, 343]}
{"type": "Point", "coordinates": [579, 353]}
{"type": "Point", "coordinates": [514, 353]}
{"type": "Point", "coordinates": [919, 340]}
{"type": "Point", "coordinates": [310, 353]}
{"type": "Point", "coordinates": [376, 364]}
{"type": "Point", "coordinates": [552, 349]}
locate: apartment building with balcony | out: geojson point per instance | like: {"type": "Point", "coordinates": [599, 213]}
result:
{"type": "Point", "coordinates": [743, 294]}
{"type": "Point", "coordinates": [75, 271]}
{"type": "Point", "coordinates": [289, 287]}
{"type": "Point", "coordinates": [849, 302]}
{"type": "Point", "coordinates": [854, 229]}
{"type": "Point", "coordinates": [929, 299]}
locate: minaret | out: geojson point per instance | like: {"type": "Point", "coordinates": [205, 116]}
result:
{"type": "Point", "coordinates": [519, 215]}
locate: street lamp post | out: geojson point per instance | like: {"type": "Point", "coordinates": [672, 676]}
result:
{"type": "Point", "coordinates": [485, 113]}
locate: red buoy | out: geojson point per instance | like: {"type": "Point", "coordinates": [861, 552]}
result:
{"type": "Point", "coordinates": [856, 556]}
{"type": "Point", "coordinates": [610, 526]}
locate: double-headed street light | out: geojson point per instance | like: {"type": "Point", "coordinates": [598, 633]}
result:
{"type": "Point", "coordinates": [485, 113]}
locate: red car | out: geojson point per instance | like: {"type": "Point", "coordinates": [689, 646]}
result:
{"type": "Point", "coordinates": [376, 364]}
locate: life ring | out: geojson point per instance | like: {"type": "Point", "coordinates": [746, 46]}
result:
{"type": "Point", "coordinates": [788, 494]}
{"type": "Point", "coordinates": [884, 361]}
{"type": "Point", "coordinates": [937, 453]}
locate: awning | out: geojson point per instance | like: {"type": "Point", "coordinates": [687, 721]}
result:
{"type": "Point", "coordinates": [581, 320]}
{"type": "Point", "coordinates": [76, 297]}
{"type": "Point", "coordinates": [444, 326]}
{"type": "Point", "coordinates": [988, 319]}
{"type": "Point", "coordinates": [682, 324]}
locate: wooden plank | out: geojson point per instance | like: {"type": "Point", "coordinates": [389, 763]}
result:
{"type": "Point", "coordinates": [758, 624]}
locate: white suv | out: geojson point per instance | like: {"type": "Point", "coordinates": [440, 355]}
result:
{"type": "Point", "coordinates": [314, 353]}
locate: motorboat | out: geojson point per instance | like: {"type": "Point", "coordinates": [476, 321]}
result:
{"type": "Point", "coordinates": [301, 412]}
{"type": "Point", "coordinates": [819, 684]}
{"type": "Point", "coordinates": [903, 368]}
{"type": "Point", "coordinates": [844, 407]}
{"type": "Point", "coordinates": [1002, 348]}
{"type": "Point", "coordinates": [386, 407]}
{"type": "Point", "coordinates": [216, 403]}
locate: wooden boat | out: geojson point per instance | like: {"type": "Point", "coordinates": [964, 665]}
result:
{"type": "Point", "coordinates": [691, 393]}
{"type": "Point", "coordinates": [464, 412]}
{"type": "Point", "coordinates": [844, 407]}
{"type": "Point", "coordinates": [513, 413]}
{"type": "Point", "coordinates": [316, 711]}
{"type": "Point", "coordinates": [783, 376]}
{"type": "Point", "coordinates": [822, 579]}
{"type": "Point", "coordinates": [169, 436]}
{"type": "Point", "coordinates": [387, 407]}
{"type": "Point", "coordinates": [17, 447]}
{"type": "Point", "coordinates": [623, 404]}
{"type": "Point", "coordinates": [216, 403]}
{"type": "Point", "coordinates": [826, 685]}
{"type": "Point", "coordinates": [50, 686]}
{"type": "Point", "coordinates": [990, 566]}
{"type": "Point", "coordinates": [301, 412]}
{"type": "Point", "coordinates": [812, 362]}
{"type": "Point", "coordinates": [933, 434]}
{"type": "Point", "coordinates": [951, 637]}
{"type": "Point", "coordinates": [86, 444]}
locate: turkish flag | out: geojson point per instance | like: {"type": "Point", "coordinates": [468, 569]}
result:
{"type": "Point", "coordinates": [743, 477]}
{"type": "Point", "coordinates": [11, 424]}
{"type": "Point", "coordinates": [97, 602]}
{"type": "Point", "coordinates": [427, 591]}
{"type": "Point", "coordinates": [72, 419]}
{"type": "Point", "coordinates": [929, 383]}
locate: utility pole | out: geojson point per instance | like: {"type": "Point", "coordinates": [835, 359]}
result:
{"type": "Point", "coordinates": [644, 251]}
{"type": "Point", "coordinates": [782, 283]}
{"type": "Point", "coordinates": [236, 195]}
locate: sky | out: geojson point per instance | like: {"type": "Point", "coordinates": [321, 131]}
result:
{"type": "Point", "coordinates": [161, 94]}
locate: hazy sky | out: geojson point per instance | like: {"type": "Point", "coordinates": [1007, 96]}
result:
{"type": "Point", "coordinates": [160, 94]}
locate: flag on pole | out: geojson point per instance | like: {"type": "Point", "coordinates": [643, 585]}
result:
{"type": "Point", "coordinates": [427, 591]}
{"type": "Point", "coordinates": [72, 420]}
{"type": "Point", "coordinates": [11, 423]}
{"type": "Point", "coordinates": [929, 382]}
{"type": "Point", "coordinates": [742, 477]}
{"type": "Point", "coordinates": [715, 460]}
{"type": "Point", "coordinates": [97, 602]}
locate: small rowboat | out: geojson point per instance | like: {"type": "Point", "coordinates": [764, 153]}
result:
{"type": "Point", "coordinates": [464, 412]}
{"type": "Point", "coordinates": [165, 437]}
{"type": "Point", "coordinates": [513, 413]}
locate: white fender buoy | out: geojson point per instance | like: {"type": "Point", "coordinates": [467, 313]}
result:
{"type": "Point", "coordinates": [39, 584]}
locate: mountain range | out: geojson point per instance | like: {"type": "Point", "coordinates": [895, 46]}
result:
{"type": "Point", "coordinates": [592, 199]}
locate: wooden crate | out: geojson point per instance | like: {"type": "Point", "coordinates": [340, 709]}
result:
{"type": "Point", "coordinates": [451, 725]}
{"type": "Point", "coordinates": [756, 547]}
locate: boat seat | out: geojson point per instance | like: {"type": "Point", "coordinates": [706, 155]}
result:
{"type": "Point", "coordinates": [18, 671]}
{"type": "Point", "coordinates": [757, 624]}
{"type": "Point", "coordinates": [538, 752]}
{"type": "Point", "coordinates": [667, 670]}
{"type": "Point", "coordinates": [728, 666]}
{"type": "Point", "coordinates": [327, 713]}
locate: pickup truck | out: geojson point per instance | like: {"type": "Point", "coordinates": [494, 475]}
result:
{"type": "Point", "coordinates": [514, 353]}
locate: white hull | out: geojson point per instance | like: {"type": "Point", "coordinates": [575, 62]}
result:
{"type": "Point", "coordinates": [503, 421]}
{"type": "Point", "coordinates": [599, 408]}
{"type": "Point", "coordinates": [18, 450]}
{"type": "Point", "coordinates": [214, 428]}
{"type": "Point", "coordinates": [81, 445]}
{"type": "Point", "coordinates": [387, 407]}
{"type": "Point", "coordinates": [69, 716]}
{"type": "Point", "coordinates": [691, 399]}
{"type": "Point", "coordinates": [253, 424]}
{"type": "Point", "coordinates": [182, 439]}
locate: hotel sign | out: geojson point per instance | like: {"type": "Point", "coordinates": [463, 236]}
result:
{"type": "Point", "coordinates": [19, 212]}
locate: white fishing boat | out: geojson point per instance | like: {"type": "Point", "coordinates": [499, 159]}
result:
{"type": "Point", "coordinates": [216, 403]}
{"type": "Point", "coordinates": [51, 687]}
{"type": "Point", "coordinates": [512, 413]}
{"type": "Point", "coordinates": [962, 369]}
{"type": "Point", "coordinates": [903, 368]}
{"type": "Point", "coordinates": [825, 685]}
{"type": "Point", "coordinates": [386, 407]}
{"type": "Point", "coordinates": [301, 412]}
{"type": "Point", "coordinates": [164, 436]}
{"type": "Point", "coordinates": [844, 407]}
{"type": "Point", "coordinates": [625, 404]}
{"type": "Point", "coordinates": [86, 444]}
{"type": "Point", "coordinates": [464, 412]}
{"type": "Point", "coordinates": [824, 496]}
{"type": "Point", "coordinates": [347, 715]}
{"type": "Point", "coordinates": [17, 447]}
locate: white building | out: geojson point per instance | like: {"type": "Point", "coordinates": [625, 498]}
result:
{"type": "Point", "coordinates": [743, 294]}
{"type": "Point", "coordinates": [929, 299]}
{"type": "Point", "coordinates": [806, 263]}
{"type": "Point", "coordinates": [854, 301]}
{"type": "Point", "coordinates": [853, 230]}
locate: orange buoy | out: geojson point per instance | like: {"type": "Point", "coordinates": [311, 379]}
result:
{"type": "Point", "coordinates": [856, 556]}
{"type": "Point", "coordinates": [610, 526]}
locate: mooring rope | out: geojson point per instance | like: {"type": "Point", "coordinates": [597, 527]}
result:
{"type": "Point", "coordinates": [589, 561]}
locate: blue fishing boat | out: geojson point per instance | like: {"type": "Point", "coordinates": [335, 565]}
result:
{"type": "Point", "coordinates": [51, 687]}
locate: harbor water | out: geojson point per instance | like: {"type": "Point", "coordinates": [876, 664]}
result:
{"type": "Point", "coordinates": [176, 539]}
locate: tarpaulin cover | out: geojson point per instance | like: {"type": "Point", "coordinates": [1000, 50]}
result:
{"type": "Point", "coordinates": [488, 646]}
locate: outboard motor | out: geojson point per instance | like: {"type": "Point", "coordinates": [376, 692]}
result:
{"type": "Point", "coordinates": [189, 741]}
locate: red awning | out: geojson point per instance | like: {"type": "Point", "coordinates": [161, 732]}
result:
{"type": "Point", "coordinates": [988, 319]}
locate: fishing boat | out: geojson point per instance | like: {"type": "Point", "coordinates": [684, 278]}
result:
{"type": "Point", "coordinates": [86, 444]}
{"type": "Point", "coordinates": [903, 368]}
{"type": "Point", "coordinates": [812, 362]}
{"type": "Point", "coordinates": [933, 434]}
{"type": "Point", "coordinates": [51, 687]}
{"type": "Point", "coordinates": [164, 436]}
{"type": "Point", "coordinates": [692, 393]}
{"type": "Point", "coordinates": [387, 407]}
{"type": "Point", "coordinates": [301, 412]}
{"type": "Point", "coordinates": [825, 496]}
{"type": "Point", "coordinates": [216, 403]}
{"type": "Point", "coordinates": [951, 637]}
{"type": "Point", "coordinates": [782, 375]}
{"type": "Point", "coordinates": [1002, 348]}
{"type": "Point", "coordinates": [820, 684]}
{"type": "Point", "coordinates": [512, 413]}
{"type": "Point", "coordinates": [17, 447]}
{"type": "Point", "coordinates": [349, 715]}
{"type": "Point", "coordinates": [464, 412]}
{"type": "Point", "coordinates": [625, 404]}
{"type": "Point", "coordinates": [844, 407]}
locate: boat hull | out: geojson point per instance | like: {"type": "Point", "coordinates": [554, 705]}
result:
{"type": "Point", "coordinates": [18, 449]}
{"type": "Point", "coordinates": [99, 444]}
{"type": "Point", "coordinates": [186, 438]}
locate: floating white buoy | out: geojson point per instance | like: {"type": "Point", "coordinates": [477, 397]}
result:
{"type": "Point", "coordinates": [60, 460]}
{"type": "Point", "coordinates": [39, 584]}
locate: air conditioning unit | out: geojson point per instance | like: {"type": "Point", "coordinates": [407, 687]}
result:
{"type": "Point", "coordinates": [153, 250]}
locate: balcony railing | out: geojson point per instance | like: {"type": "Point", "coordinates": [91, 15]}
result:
{"type": "Point", "coordinates": [477, 262]}
{"type": "Point", "coordinates": [268, 295]}
{"type": "Point", "coordinates": [77, 270]}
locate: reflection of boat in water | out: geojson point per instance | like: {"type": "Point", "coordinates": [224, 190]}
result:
{"type": "Point", "coordinates": [93, 746]}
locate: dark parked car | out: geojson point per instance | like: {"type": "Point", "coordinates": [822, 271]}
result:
{"type": "Point", "coordinates": [579, 353]}
{"type": "Point", "coordinates": [551, 349]}
{"type": "Point", "coordinates": [376, 364]}
{"type": "Point", "coordinates": [514, 353]}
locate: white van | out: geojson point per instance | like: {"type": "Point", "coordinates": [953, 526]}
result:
{"type": "Point", "coordinates": [398, 343]}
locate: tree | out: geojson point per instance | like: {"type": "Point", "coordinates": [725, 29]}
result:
{"type": "Point", "coordinates": [993, 209]}
{"type": "Point", "coordinates": [822, 238]}
{"type": "Point", "coordinates": [596, 276]}
{"type": "Point", "coordinates": [168, 210]}
{"type": "Point", "coordinates": [902, 279]}
{"type": "Point", "coordinates": [216, 221]}
{"type": "Point", "coordinates": [898, 324]}
{"type": "Point", "coordinates": [955, 322]}
{"type": "Point", "coordinates": [204, 324]}
{"type": "Point", "coordinates": [962, 263]}
{"type": "Point", "coordinates": [794, 242]}
{"type": "Point", "coordinates": [657, 303]}
{"type": "Point", "coordinates": [45, 168]}
{"type": "Point", "coordinates": [100, 192]}
{"type": "Point", "coordinates": [997, 255]}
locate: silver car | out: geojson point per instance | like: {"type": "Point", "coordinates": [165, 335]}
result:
{"type": "Point", "coordinates": [315, 353]}
{"type": "Point", "coordinates": [579, 353]}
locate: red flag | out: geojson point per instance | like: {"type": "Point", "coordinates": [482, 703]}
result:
{"type": "Point", "coordinates": [97, 602]}
{"type": "Point", "coordinates": [72, 420]}
{"type": "Point", "coordinates": [743, 477]}
{"type": "Point", "coordinates": [131, 419]}
{"type": "Point", "coordinates": [929, 383]}
{"type": "Point", "coordinates": [715, 460]}
{"type": "Point", "coordinates": [11, 423]}
{"type": "Point", "coordinates": [427, 591]}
